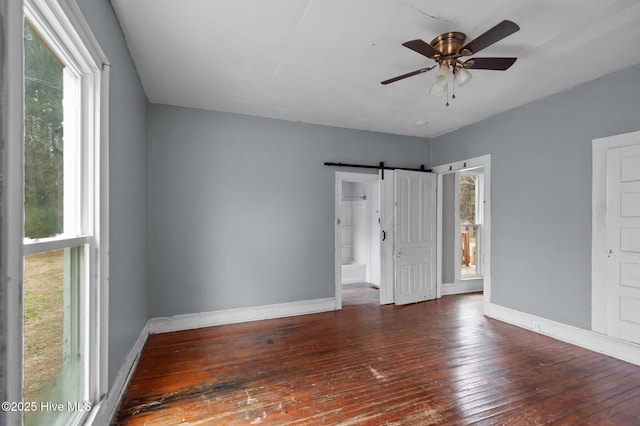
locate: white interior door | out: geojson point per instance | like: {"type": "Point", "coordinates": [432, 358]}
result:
{"type": "Point", "coordinates": [623, 242]}
{"type": "Point", "coordinates": [414, 236]}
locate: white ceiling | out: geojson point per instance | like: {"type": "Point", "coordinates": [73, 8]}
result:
{"type": "Point", "coordinates": [321, 61]}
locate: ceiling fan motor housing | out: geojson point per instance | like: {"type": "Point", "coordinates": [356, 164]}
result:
{"type": "Point", "coordinates": [449, 43]}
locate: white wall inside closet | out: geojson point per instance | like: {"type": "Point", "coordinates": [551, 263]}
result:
{"type": "Point", "coordinates": [360, 251]}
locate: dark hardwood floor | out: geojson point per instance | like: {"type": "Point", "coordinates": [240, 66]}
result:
{"type": "Point", "coordinates": [439, 362]}
{"type": "Point", "coordinates": [359, 294]}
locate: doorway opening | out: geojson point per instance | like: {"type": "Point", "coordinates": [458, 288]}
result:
{"type": "Point", "coordinates": [462, 231]}
{"type": "Point", "coordinates": [358, 213]}
{"type": "Point", "coordinates": [464, 228]}
{"type": "Point", "coordinates": [402, 258]}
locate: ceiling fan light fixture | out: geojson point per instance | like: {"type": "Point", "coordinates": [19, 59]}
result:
{"type": "Point", "coordinates": [462, 76]}
{"type": "Point", "coordinates": [444, 70]}
{"type": "Point", "coordinates": [443, 77]}
{"type": "Point", "coordinates": [442, 80]}
{"type": "Point", "coordinates": [436, 88]}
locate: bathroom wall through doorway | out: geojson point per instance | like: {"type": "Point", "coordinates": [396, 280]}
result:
{"type": "Point", "coordinates": [357, 230]}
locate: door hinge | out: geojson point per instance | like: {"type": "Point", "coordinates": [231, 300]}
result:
{"type": "Point", "coordinates": [338, 221]}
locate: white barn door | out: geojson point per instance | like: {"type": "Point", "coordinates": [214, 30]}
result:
{"type": "Point", "coordinates": [623, 242]}
{"type": "Point", "coordinates": [387, 248]}
{"type": "Point", "coordinates": [414, 237]}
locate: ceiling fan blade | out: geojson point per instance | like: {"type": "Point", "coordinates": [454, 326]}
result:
{"type": "Point", "coordinates": [422, 47]}
{"type": "Point", "coordinates": [497, 64]}
{"type": "Point", "coordinates": [409, 74]}
{"type": "Point", "coordinates": [494, 35]}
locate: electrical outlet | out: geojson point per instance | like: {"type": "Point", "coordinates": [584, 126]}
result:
{"type": "Point", "coordinates": [536, 326]}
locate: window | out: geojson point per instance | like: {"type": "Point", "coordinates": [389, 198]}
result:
{"type": "Point", "coordinates": [64, 206]}
{"type": "Point", "coordinates": [470, 218]}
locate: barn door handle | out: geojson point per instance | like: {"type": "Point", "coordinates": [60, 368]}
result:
{"type": "Point", "coordinates": [384, 235]}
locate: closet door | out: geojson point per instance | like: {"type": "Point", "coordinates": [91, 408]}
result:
{"type": "Point", "coordinates": [623, 242]}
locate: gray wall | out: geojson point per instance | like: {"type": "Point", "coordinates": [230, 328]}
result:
{"type": "Point", "coordinates": [541, 191]}
{"type": "Point", "coordinates": [242, 208]}
{"type": "Point", "coordinates": [448, 228]}
{"type": "Point", "coordinates": [128, 306]}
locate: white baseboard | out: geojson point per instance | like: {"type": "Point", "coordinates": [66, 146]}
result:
{"type": "Point", "coordinates": [462, 286]}
{"type": "Point", "coordinates": [231, 316]}
{"type": "Point", "coordinates": [591, 340]}
{"type": "Point", "coordinates": [109, 405]}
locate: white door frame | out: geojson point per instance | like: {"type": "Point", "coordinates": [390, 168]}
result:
{"type": "Point", "coordinates": [458, 166]}
{"type": "Point", "coordinates": [339, 179]}
{"type": "Point", "coordinates": [599, 225]}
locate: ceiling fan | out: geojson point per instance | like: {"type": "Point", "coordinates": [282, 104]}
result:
{"type": "Point", "coordinates": [448, 48]}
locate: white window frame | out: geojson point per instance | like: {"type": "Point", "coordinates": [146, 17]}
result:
{"type": "Point", "coordinates": [479, 221]}
{"type": "Point", "coordinates": [61, 23]}
{"type": "Point", "coordinates": [12, 220]}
